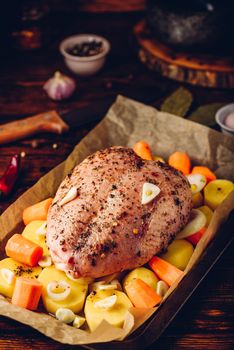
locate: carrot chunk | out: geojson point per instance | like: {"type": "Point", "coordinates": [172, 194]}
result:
{"type": "Point", "coordinates": [37, 211]}
{"type": "Point", "coordinates": [165, 271]}
{"type": "Point", "coordinates": [203, 170]}
{"type": "Point", "coordinates": [141, 294]}
{"type": "Point", "coordinates": [142, 149]}
{"type": "Point", "coordinates": [27, 293]}
{"type": "Point", "coordinates": [180, 161]}
{"type": "Point", "coordinates": [195, 238]}
{"type": "Point", "coordinates": [24, 251]}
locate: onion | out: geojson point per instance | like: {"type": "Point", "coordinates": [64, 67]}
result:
{"type": "Point", "coordinates": [58, 296]}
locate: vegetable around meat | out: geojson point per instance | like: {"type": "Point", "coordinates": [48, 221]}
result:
{"type": "Point", "coordinates": [19, 270]}
{"type": "Point", "coordinates": [165, 271]}
{"type": "Point", "coordinates": [23, 250]}
{"type": "Point", "coordinates": [8, 179]}
{"type": "Point", "coordinates": [203, 170]}
{"type": "Point", "coordinates": [180, 161]}
{"type": "Point", "coordinates": [115, 315]}
{"type": "Point", "coordinates": [178, 253]}
{"type": "Point", "coordinates": [142, 149]}
{"type": "Point", "coordinates": [37, 211]}
{"type": "Point", "coordinates": [27, 293]}
{"type": "Point", "coordinates": [141, 294]}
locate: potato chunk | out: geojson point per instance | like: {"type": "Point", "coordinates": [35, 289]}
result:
{"type": "Point", "coordinates": [115, 315]}
{"type": "Point", "coordinates": [19, 270]}
{"type": "Point", "coordinates": [30, 232]}
{"type": "Point", "coordinates": [179, 253]}
{"type": "Point", "coordinates": [74, 301]}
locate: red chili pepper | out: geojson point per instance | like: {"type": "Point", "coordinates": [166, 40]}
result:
{"type": "Point", "coordinates": [8, 179]}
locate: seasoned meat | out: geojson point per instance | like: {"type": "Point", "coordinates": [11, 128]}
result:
{"type": "Point", "coordinates": [106, 229]}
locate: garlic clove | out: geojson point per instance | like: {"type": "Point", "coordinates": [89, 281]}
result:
{"type": "Point", "coordinates": [60, 86]}
{"type": "Point", "coordinates": [41, 231]}
{"type": "Point", "coordinates": [8, 276]}
{"type": "Point", "coordinates": [78, 321]}
{"type": "Point", "coordinates": [58, 290]}
{"type": "Point", "coordinates": [45, 261]}
{"type": "Point", "coordinates": [106, 303]}
{"type": "Point", "coordinates": [71, 194]}
{"type": "Point", "coordinates": [197, 182]}
{"type": "Point", "coordinates": [65, 315]}
{"type": "Point", "coordinates": [149, 192]}
{"type": "Point", "coordinates": [161, 288]}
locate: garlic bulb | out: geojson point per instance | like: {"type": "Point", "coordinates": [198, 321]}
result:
{"type": "Point", "coordinates": [60, 86]}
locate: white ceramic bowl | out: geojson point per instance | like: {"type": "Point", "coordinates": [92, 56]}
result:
{"type": "Point", "coordinates": [220, 116]}
{"type": "Point", "coordinates": [84, 65]}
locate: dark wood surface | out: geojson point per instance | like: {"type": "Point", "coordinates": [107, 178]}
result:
{"type": "Point", "coordinates": [207, 320]}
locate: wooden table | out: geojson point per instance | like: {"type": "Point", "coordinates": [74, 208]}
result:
{"type": "Point", "coordinates": [207, 320]}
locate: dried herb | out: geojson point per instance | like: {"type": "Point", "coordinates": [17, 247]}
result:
{"type": "Point", "coordinates": [178, 103]}
{"type": "Point", "coordinates": [206, 114]}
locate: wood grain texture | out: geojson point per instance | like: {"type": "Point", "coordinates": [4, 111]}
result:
{"type": "Point", "coordinates": [204, 70]}
{"type": "Point", "coordinates": [207, 320]}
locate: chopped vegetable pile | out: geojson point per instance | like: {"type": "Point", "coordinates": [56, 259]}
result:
{"type": "Point", "coordinates": [28, 275]}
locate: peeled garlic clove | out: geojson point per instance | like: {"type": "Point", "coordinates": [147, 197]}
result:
{"type": "Point", "coordinates": [65, 315]}
{"type": "Point", "coordinates": [8, 276]}
{"type": "Point", "coordinates": [161, 288]}
{"type": "Point", "coordinates": [41, 231]}
{"type": "Point", "coordinates": [149, 192]}
{"type": "Point", "coordinates": [78, 321]}
{"type": "Point", "coordinates": [106, 303]}
{"type": "Point", "coordinates": [71, 194]}
{"type": "Point", "coordinates": [55, 295]}
{"type": "Point", "coordinates": [60, 86]}
{"type": "Point", "coordinates": [197, 182]}
{"type": "Point", "coordinates": [45, 261]}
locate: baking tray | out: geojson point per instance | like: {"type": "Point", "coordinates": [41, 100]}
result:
{"type": "Point", "coordinates": [151, 330]}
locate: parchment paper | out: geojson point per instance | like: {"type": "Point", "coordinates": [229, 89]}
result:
{"type": "Point", "coordinates": [126, 122]}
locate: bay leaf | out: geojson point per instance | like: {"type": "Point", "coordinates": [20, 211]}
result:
{"type": "Point", "coordinates": [206, 114]}
{"type": "Point", "coordinates": [178, 102]}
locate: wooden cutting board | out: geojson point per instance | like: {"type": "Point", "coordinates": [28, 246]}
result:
{"type": "Point", "coordinates": [201, 69]}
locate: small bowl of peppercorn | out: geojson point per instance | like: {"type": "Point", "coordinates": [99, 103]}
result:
{"type": "Point", "coordinates": [85, 54]}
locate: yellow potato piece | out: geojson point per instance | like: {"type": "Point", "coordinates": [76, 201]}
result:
{"type": "Point", "coordinates": [30, 233]}
{"type": "Point", "coordinates": [115, 315]}
{"type": "Point", "coordinates": [19, 270]}
{"type": "Point", "coordinates": [208, 213]}
{"type": "Point", "coordinates": [179, 253]}
{"type": "Point", "coordinates": [75, 299]}
{"type": "Point", "coordinates": [197, 199]}
{"type": "Point", "coordinates": [216, 191]}
{"type": "Point", "coordinates": [143, 274]}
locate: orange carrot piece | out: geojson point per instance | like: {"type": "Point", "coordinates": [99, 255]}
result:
{"type": "Point", "coordinates": [195, 238]}
{"type": "Point", "coordinates": [180, 161]}
{"type": "Point", "coordinates": [142, 149]}
{"type": "Point", "coordinates": [165, 271]}
{"type": "Point", "coordinates": [203, 170]}
{"type": "Point", "coordinates": [141, 294]}
{"type": "Point", "coordinates": [27, 293]}
{"type": "Point", "coordinates": [24, 251]}
{"type": "Point", "coordinates": [37, 211]}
